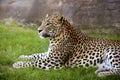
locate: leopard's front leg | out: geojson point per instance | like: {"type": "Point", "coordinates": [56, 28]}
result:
{"type": "Point", "coordinates": [35, 56]}
{"type": "Point", "coordinates": [45, 64]}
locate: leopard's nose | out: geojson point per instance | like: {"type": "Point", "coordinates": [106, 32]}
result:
{"type": "Point", "coordinates": [39, 31]}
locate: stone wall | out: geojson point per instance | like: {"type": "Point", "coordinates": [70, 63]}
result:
{"type": "Point", "coordinates": [78, 12]}
{"type": "Point", "coordinates": [95, 12]}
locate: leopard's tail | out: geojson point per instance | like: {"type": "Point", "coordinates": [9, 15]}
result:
{"type": "Point", "coordinates": [109, 72]}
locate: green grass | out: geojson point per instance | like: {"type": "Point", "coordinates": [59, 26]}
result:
{"type": "Point", "coordinates": [15, 41]}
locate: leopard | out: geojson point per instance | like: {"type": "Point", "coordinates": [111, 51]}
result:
{"type": "Point", "coordinates": [69, 48]}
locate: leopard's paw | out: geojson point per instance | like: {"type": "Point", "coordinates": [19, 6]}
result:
{"type": "Point", "coordinates": [101, 74]}
{"type": "Point", "coordinates": [24, 57]}
{"type": "Point", "coordinates": [18, 64]}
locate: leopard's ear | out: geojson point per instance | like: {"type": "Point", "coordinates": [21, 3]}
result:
{"type": "Point", "coordinates": [46, 15]}
{"type": "Point", "coordinates": [61, 18]}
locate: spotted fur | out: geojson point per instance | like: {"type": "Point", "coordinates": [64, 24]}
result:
{"type": "Point", "coordinates": [71, 48]}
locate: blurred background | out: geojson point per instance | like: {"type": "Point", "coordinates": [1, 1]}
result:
{"type": "Point", "coordinates": [84, 13]}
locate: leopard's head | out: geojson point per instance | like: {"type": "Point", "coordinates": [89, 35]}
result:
{"type": "Point", "coordinates": [51, 26]}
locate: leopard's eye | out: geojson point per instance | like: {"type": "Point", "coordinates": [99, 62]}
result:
{"type": "Point", "coordinates": [47, 23]}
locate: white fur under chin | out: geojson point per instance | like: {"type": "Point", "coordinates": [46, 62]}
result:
{"type": "Point", "coordinates": [40, 35]}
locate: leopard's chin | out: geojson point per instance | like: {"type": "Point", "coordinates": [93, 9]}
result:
{"type": "Point", "coordinates": [45, 35]}
{"type": "Point", "coordinates": [42, 36]}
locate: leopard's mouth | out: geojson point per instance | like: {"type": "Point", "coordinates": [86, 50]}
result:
{"type": "Point", "coordinates": [44, 35]}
